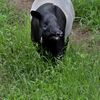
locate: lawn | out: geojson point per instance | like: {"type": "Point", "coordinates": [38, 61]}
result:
{"type": "Point", "coordinates": [25, 75]}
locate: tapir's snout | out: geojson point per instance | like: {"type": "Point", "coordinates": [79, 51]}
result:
{"type": "Point", "coordinates": [56, 36]}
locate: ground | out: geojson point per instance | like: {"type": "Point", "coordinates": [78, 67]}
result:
{"type": "Point", "coordinates": [22, 4]}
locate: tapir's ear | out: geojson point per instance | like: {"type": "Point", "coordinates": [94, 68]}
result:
{"type": "Point", "coordinates": [36, 14]}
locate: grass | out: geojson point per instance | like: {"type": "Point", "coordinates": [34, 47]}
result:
{"type": "Point", "coordinates": [24, 75]}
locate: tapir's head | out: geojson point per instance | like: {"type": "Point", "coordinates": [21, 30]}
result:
{"type": "Point", "coordinates": [46, 30]}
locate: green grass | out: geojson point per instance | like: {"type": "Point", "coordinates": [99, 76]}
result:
{"type": "Point", "coordinates": [87, 11]}
{"type": "Point", "coordinates": [24, 75]}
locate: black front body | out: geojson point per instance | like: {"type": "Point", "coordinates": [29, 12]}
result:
{"type": "Point", "coordinates": [48, 23]}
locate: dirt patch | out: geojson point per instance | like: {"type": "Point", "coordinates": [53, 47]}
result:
{"type": "Point", "coordinates": [22, 4]}
{"type": "Point", "coordinates": [80, 34]}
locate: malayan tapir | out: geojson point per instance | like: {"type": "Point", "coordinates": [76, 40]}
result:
{"type": "Point", "coordinates": [51, 24]}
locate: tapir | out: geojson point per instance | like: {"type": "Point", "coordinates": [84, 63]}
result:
{"type": "Point", "coordinates": [51, 24]}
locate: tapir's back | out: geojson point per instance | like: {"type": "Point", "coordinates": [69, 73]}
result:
{"type": "Point", "coordinates": [65, 5]}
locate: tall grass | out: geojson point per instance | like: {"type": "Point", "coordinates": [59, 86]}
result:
{"type": "Point", "coordinates": [24, 75]}
{"type": "Point", "coordinates": [87, 11]}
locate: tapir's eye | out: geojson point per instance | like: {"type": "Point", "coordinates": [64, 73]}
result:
{"type": "Point", "coordinates": [45, 26]}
